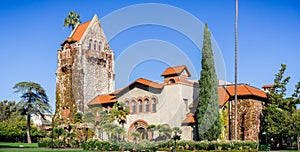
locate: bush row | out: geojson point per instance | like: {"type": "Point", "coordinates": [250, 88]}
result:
{"type": "Point", "coordinates": [59, 143]}
{"type": "Point", "coordinates": [212, 145]}
{"type": "Point", "coordinates": [151, 146]}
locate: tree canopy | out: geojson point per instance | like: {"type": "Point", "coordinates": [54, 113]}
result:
{"type": "Point", "coordinates": [33, 101]}
{"type": "Point", "coordinates": [280, 114]}
{"type": "Point", "coordinates": [209, 123]}
{"type": "Point", "coordinates": [72, 20]}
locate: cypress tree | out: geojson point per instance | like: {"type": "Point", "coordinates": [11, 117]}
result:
{"type": "Point", "coordinates": [208, 118]}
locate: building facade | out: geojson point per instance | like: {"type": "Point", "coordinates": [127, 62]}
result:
{"type": "Point", "coordinates": [174, 103]}
{"type": "Point", "coordinates": [85, 79]}
{"type": "Point", "coordinates": [85, 69]}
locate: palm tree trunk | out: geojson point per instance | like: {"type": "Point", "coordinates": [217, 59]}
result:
{"type": "Point", "coordinates": [28, 128]}
{"type": "Point", "coordinates": [123, 135]}
{"type": "Point", "coordinates": [235, 71]}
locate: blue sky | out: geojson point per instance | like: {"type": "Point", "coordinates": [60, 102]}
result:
{"type": "Point", "coordinates": [32, 30]}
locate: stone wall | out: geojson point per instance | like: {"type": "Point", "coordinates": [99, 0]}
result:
{"type": "Point", "coordinates": [85, 70]}
{"type": "Point", "coordinates": [249, 113]}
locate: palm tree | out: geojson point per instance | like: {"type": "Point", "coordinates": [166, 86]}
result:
{"type": "Point", "coordinates": [72, 20]}
{"type": "Point", "coordinates": [235, 69]}
{"type": "Point", "coordinates": [136, 136]}
{"type": "Point", "coordinates": [151, 128]}
{"type": "Point", "coordinates": [177, 130]}
{"type": "Point", "coordinates": [34, 101]}
{"type": "Point", "coordinates": [119, 113]}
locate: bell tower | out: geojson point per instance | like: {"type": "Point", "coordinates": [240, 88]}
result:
{"type": "Point", "coordinates": [85, 69]}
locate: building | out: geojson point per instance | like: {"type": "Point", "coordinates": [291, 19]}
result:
{"type": "Point", "coordinates": [174, 103]}
{"type": "Point", "coordinates": [43, 124]}
{"type": "Point", "coordinates": [85, 69]}
{"type": "Point", "coordinates": [85, 79]}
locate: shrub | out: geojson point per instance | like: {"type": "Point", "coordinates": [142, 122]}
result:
{"type": "Point", "coordinates": [48, 142]}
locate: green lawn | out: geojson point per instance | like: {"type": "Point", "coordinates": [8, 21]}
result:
{"type": "Point", "coordinates": [18, 145]}
{"type": "Point", "coordinates": [25, 147]}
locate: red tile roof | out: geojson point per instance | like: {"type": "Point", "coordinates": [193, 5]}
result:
{"type": "Point", "coordinates": [268, 86]}
{"type": "Point", "coordinates": [148, 83]}
{"type": "Point", "coordinates": [189, 119]}
{"type": "Point", "coordinates": [78, 33]}
{"type": "Point", "coordinates": [107, 98]}
{"type": "Point", "coordinates": [175, 70]}
{"type": "Point", "coordinates": [222, 95]}
{"type": "Point", "coordinates": [244, 90]}
{"type": "Point", "coordinates": [111, 97]}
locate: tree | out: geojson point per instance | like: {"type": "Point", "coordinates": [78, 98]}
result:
{"type": "Point", "coordinates": [164, 131]}
{"type": "Point", "coordinates": [119, 113]}
{"type": "Point", "coordinates": [280, 111]}
{"type": "Point", "coordinates": [151, 128]}
{"type": "Point", "coordinates": [72, 20]}
{"type": "Point", "coordinates": [33, 101]}
{"type": "Point", "coordinates": [209, 123]}
{"type": "Point", "coordinates": [7, 108]}
{"type": "Point", "coordinates": [136, 136]}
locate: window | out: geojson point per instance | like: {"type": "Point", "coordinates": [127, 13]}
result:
{"type": "Point", "coordinates": [100, 46]}
{"type": "Point", "coordinates": [140, 106]}
{"type": "Point", "coordinates": [171, 81]}
{"type": "Point", "coordinates": [186, 104]}
{"type": "Point", "coordinates": [147, 105]}
{"type": "Point", "coordinates": [127, 104]}
{"type": "Point", "coordinates": [95, 45]}
{"type": "Point", "coordinates": [153, 104]}
{"type": "Point", "coordinates": [90, 44]}
{"type": "Point", "coordinates": [133, 103]}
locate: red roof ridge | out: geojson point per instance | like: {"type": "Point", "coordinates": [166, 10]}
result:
{"type": "Point", "coordinates": [148, 83]}
{"type": "Point", "coordinates": [268, 86]}
{"type": "Point", "coordinates": [77, 33]}
{"type": "Point", "coordinates": [175, 70]}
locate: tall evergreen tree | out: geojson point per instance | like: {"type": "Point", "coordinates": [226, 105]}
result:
{"type": "Point", "coordinates": [280, 111]}
{"type": "Point", "coordinates": [209, 123]}
{"type": "Point", "coordinates": [34, 101]}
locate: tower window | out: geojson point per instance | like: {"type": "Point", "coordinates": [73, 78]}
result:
{"type": "Point", "coordinates": [90, 44]}
{"type": "Point", "coordinates": [100, 46]}
{"type": "Point", "coordinates": [95, 45]}
{"type": "Point", "coordinates": [171, 81]}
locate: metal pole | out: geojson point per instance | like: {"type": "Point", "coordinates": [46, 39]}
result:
{"type": "Point", "coordinates": [236, 68]}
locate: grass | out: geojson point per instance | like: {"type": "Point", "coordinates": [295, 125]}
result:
{"type": "Point", "coordinates": [25, 147]}
{"type": "Point", "coordinates": [18, 145]}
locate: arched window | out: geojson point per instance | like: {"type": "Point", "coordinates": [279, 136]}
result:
{"type": "Point", "coordinates": [171, 81]}
{"type": "Point", "coordinates": [90, 44]}
{"type": "Point", "coordinates": [133, 104]}
{"type": "Point", "coordinates": [127, 104]}
{"type": "Point", "coordinates": [140, 106]}
{"type": "Point", "coordinates": [100, 46]}
{"type": "Point", "coordinates": [95, 45]}
{"type": "Point", "coordinates": [153, 100]}
{"type": "Point", "coordinates": [147, 105]}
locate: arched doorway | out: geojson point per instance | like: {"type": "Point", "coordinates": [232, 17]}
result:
{"type": "Point", "coordinates": [141, 127]}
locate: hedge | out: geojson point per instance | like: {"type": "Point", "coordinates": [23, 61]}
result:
{"type": "Point", "coordinates": [152, 146]}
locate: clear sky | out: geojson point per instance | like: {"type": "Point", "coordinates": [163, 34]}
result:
{"type": "Point", "coordinates": [32, 30]}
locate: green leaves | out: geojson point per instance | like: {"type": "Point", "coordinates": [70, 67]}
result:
{"type": "Point", "coordinates": [119, 113]}
{"type": "Point", "coordinates": [209, 123]}
{"type": "Point", "coordinates": [72, 20]}
{"type": "Point", "coordinates": [280, 112]}
{"type": "Point", "coordinates": [33, 101]}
